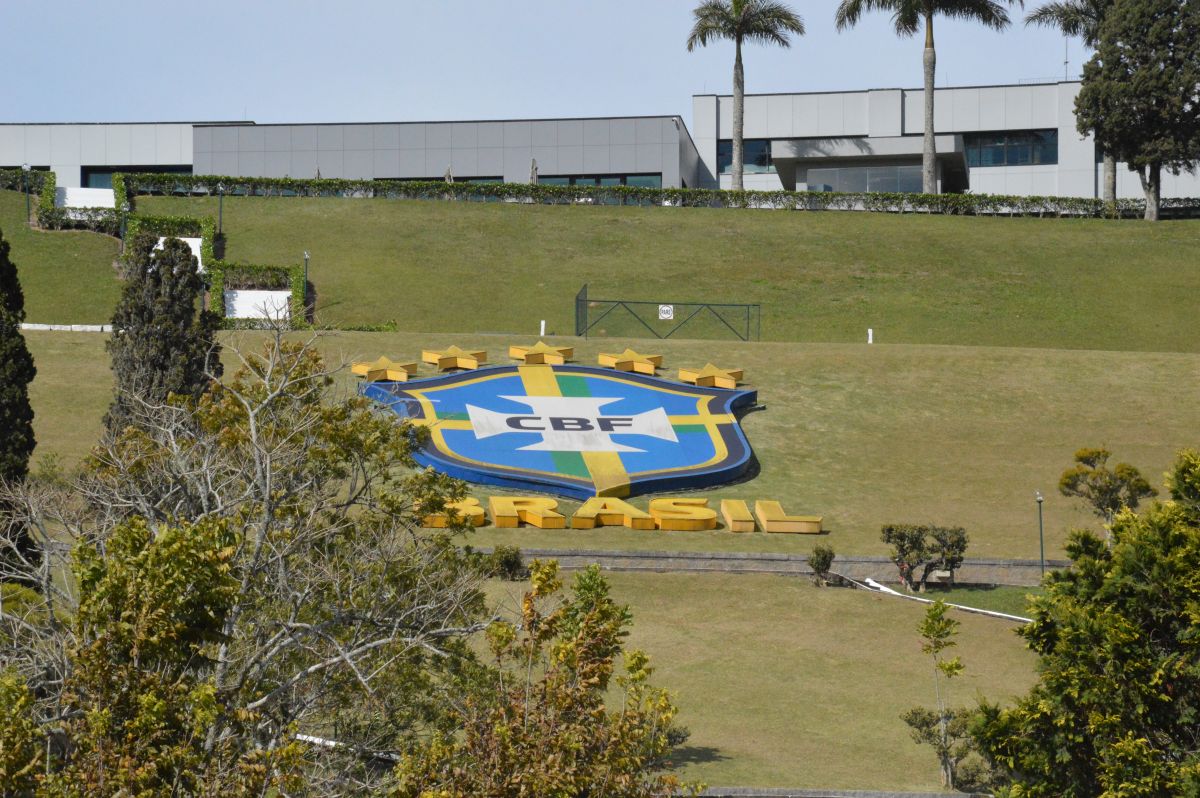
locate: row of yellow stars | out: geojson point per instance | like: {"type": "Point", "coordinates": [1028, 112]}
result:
{"type": "Point", "coordinates": [455, 358]}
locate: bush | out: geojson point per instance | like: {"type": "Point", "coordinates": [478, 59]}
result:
{"type": "Point", "coordinates": [820, 561]}
{"type": "Point", "coordinates": [505, 562]}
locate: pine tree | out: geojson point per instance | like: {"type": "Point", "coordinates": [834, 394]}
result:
{"type": "Point", "coordinates": [161, 343]}
{"type": "Point", "coordinates": [1139, 90]}
{"type": "Point", "coordinates": [16, 372]}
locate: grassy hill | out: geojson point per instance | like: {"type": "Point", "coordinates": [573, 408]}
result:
{"type": "Point", "coordinates": [68, 277]}
{"type": "Point", "coordinates": [862, 435]}
{"type": "Point", "coordinates": [826, 277]}
{"type": "Point", "coordinates": [784, 684]}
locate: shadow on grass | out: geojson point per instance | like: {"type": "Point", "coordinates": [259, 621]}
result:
{"type": "Point", "coordinates": [696, 755]}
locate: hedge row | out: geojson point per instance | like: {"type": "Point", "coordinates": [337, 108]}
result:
{"type": "Point", "coordinates": [51, 217]}
{"type": "Point", "coordinates": [19, 180]}
{"type": "Point", "coordinates": [951, 204]}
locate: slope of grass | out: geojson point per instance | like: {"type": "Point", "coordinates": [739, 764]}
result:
{"type": "Point", "coordinates": [862, 435]}
{"type": "Point", "coordinates": [67, 276]}
{"type": "Point", "coordinates": [497, 267]}
{"type": "Point", "coordinates": [784, 684]}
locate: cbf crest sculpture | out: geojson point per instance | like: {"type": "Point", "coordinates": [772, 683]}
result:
{"type": "Point", "coordinates": [574, 430]}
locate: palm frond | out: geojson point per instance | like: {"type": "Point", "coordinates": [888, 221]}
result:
{"type": "Point", "coordinates": [770, 22]}
{"type": "Point", "coordinates": [849, 12]}
{"type": "Point", "coordinates": [1080, 18]}
{"type": "Point", "coordinates": [986, 12]}
{"type": "Point", "coordinates": [714, 20]}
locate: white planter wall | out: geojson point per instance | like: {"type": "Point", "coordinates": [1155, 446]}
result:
{"type": "Point", "coordinates": [247, 304]}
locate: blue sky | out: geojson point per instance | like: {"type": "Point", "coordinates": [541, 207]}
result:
{"type": "Point", "coordinates": [396, 60]}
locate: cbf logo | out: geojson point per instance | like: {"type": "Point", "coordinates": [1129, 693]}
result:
{"type": "Point", "coordinates": [575, 430]}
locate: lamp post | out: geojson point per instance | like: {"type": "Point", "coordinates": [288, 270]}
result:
{"type": "Point", "coordinates": [124, 218]}
{"type": "Point", "coordinates": [306, 282]}
{"type": "Point", "coordinates": [1041, 536]}
{"type": "Point", "coordinates": [220, 206]}
{"type": "Point", "coordinates": [25, 190]}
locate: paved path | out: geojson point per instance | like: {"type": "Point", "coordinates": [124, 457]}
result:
{"type": "Point", "coordinates": [973, 571]}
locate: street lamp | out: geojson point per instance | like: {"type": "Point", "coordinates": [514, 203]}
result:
{"type": "Point", "coordinates": [220, 206]}
{"type": "Point", "coordinates": [306, 282]}
{"type": "Point", "coordinates": [1041, 535]}
{"type": "Point", "coordinates": [25, 189]}
{"type": "Point", "coordinates": [124, 218]}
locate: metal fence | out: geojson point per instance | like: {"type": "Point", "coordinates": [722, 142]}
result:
{"type": "Point", "coordinates": [628, 318]}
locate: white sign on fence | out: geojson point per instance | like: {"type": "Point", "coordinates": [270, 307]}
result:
{"type": "Point", "coordinates": [666, 312]}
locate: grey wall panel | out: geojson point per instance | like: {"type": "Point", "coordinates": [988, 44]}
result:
{"type": "Point", "coordinates": [12, 145]}
{"type": "Point", "coordinates": [304, 138]}
{"type": "Point", "coordinates": [885, 112]}
{"type": "Point", "coordinates": [464, 135]}
{"type": "Point", "coordinates": [596, 133]}
{"type": "Point", "coordinates": [438, 136]}
{"type": "Point", "coordinates": [622, 131]}
{"type": "Point", "coordinates": [623, 157]}
{"type": "Point", "coordinates": [92, 145]}
{"type": "Point", "coordinates": [596, 160]}
{"type": "Point", "coordinates": [118, 144]}
{"type": "Point", "coordinates": [304, 164]}
{"type": "Point", "coordinates": [251, 162]}
{"type": "Point", "coordinates": [464, 162]}
{"type": "Point", "coordinates": [329, 163]}
{"type": "Point", "coordinates": [37, 145]}
{"type": "Point", "coordinates": [518, 134]}
{"type": "Point", "coordinates": [65, 144]}
{"type": "Point", "coordinates": [386, 163]}
{"type": "Point", "coordinates": [202, 163]}
{"type": "Point", "coordinates": [330, 138]}
{"type": "Point", "coordinates": [224, 139]}
{"type": "Point", "coordinates": [991, 108]}
{"type": "Point", "coordinates": [669, 163]}
{"type": "Point", "coordinates": [570, 133]}
{"type": "Point", "coordinates": [570, 160]}
{"type": "Point", "coordinates": [385, 137]}
{"type": "Point", "coordinates": [412, 136]}
{"type": "Point", "coordinates": [277, 164]}
{"type": "Point", "coordinates": [543, 134]}
{"type": "Point", "coordinates": [490, 134]}
{"type": "Point", "coordinates": [806, 116]}
{"type": "Point", "coordinates": [223, 163]}
{"type": "Point", "coordinates": [1018, 108]}
{"type": "Point", "coordinates": [490, 161]}
{"type": "Point", "coordinates": [437, 161]}
{"type": "Point", "coordinates": [277, 138]}
{"type": "Point", "coordinates": [412, 164]}
{"type": "Point", "coordinates": [547, 160]}
{"type": "Point", "coordinates": [358, 137]}
{"type": "Point", "coordinates": [143, 144]}
{"type": "Point", "coordinates": [516, 165]}
{"type": "Point", "coordinates": [964, 107]}
{"type": "Point", "coordinates": [648, 157]}
{"type": "Point", "coordinates": [251, 138]}
{"type": "Point", "coordinates": [358, 164]}
{"type": "Point", "coordinates": [648, 131]}
{"type": "Point", "coordinates": [168, 145]}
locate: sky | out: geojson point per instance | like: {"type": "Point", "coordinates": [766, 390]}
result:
{"type": "Point", "coordinates": [402, 60]}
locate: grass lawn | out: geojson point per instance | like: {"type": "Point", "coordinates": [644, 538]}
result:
{"type": "Point", "coordinates": [785, 684]}
{"type": "Point", "coordinates": [67, 276]}
{"type": "Point", "coordinates": [498, 267]}
{"type": "Point", "coordinates": [862, 435]}
{"type": "Point", "coordinates": [997, 598]}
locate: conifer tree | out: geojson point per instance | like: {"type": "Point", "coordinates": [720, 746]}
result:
{"type": "Point", "coordinates": [163, 341]}
{"type": "Point", "coordinates": [16, 414]}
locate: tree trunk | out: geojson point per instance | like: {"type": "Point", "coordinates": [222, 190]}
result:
{"type": "Point", "coordinates": [1110, 178]}
{"type": "Point", "coordinates": [1151, 177]}
{"type": "Point", "coordinates": [739, 108]}
{"type": "Point", "coordinates": [929, 156]}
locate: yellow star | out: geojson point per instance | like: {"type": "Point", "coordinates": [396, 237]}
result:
{"type": "Point", "coordinates": [454, 358]}
{"type": "Point", "coordinates": [631, 361]}
{"type": "Point", "coordinates": [542, 353]}
{"type": "Point", "coordinates": [711, 377]}
{"type": "Point", "coordinates": [382, 370]}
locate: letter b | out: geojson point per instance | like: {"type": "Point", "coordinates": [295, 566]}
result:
{"type": "Point", "coordinates": [571, 425]}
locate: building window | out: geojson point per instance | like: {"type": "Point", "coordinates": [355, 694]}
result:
{"type": "Point", "coordinates": [756, 154]}
{"type": "Point", "coordinates": [1012, 148]}
{"type": "Point", "coordinates": [643, 181]}
{"type": "Point", "coordinates": [887, 179]}
{"type": "Point", "coordinates": [101, 176]}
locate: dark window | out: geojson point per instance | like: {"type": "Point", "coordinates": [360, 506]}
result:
{"type": "Point", "coordinates": [756, 154]}
{"type": "Point", "coordinates": [645, 181]}
{"type": "Point", "coordinates": [906, 178]}
{"type": "Point", "coordinates": [101, 176]}
{"type": "Point", "coordinates": [1013, 148]}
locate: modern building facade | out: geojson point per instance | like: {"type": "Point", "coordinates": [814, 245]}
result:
{"type": "Point", "coordinates": [1015, 139]}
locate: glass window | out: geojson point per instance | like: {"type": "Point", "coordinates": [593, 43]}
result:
{"type": "Point", "coordinates": [1020, 149]}
{"type": "Point", "coordinates": [1045, 146]}
{"type": "Point", "coordinates": [645, 181]}
{"type": "Point", "coordinates": [1014, 148]}
{"type": "Point", "coordinates": [756, 156]}
{"type": "Point", "coordinates": [554, 181]}
{"type": "Point", "coordinates": [908, 179]}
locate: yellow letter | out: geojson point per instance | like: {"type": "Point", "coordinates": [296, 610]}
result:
{"type": "Point", "coordinates": [512, 511]}
{"type": "Point", "coordinates": [774, 519]}
{"type": "Point", "coordinates": [607, 511]}
{"type": "Point", "coordinates": [737, 515]}
{"type": "Point", "coordinates": [468, 508]}
{"type": "Point", "coordinates": [683, 514]}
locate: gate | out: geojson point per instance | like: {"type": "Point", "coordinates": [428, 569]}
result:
{"type": "Point", "coordinates": [628, 318]}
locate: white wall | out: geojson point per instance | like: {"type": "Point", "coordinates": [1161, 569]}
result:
{"type": "Point", "coordinates": [258, 304]}
{"type": "Point", "coordinates": [66, 148]}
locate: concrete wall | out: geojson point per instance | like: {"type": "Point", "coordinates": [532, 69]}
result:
{"type": "Point", "coordinates": [67, 148]}
{"type": "Point", "coordinates": [893, 112]}
{"type": "Point", "coordinates": [504, 149]}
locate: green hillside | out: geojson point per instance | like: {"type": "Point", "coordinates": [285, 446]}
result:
{"type": "Point", "coordinates": [827, 277]}
{"type": "Point", "coordinates": [862, 435]}
{"type": "Point", "coordinates": [68, 277]}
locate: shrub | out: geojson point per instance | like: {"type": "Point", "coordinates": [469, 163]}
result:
{"type": "Point", "coordinates": [505, 562]}
{"type": "Point", "coordinates": [820, 561]}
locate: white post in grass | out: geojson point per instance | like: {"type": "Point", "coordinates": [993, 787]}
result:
{"type": "Point", "coordinates": [542, 332]}
{"type": "Point", "coordinates": [870, 336]}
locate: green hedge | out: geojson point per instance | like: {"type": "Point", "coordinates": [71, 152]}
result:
{"type": "Point", "coordinates": [51, 217]}
{"type": "Point", "coordinates": [234, 276]}
{"type": "Point", "coordinates": [20, 180]}
{"type": "Point", "coordinates": [952, 204]}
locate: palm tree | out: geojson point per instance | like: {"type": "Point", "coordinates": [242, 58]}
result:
{"type": "Point", "coordinates": [1081, 18]}
{"type": "Point", "coordinates": [761, 21]}
{"type": "Point", "coordinates": [908, 16]}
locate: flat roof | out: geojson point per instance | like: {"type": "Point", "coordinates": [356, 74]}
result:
{"type": "Point", "coordinates": [900, 88]}
{"type": "Point", "coordinates": [448, 121]}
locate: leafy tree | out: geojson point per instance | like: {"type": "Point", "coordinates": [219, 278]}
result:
{"type": "Point", "coordinates": [820, 561]}
{"type": "Point", "coordinates": [163, 341]}
{"type": "Point", "coordinates": [1116, 708]}
{"type": "Point", "coordinates": [20, 738]}
{"type": "Point", "coordinates": [346, 621]}
{"type": "Point", "coordinates": [943, 728]}
{"type": "Point", "coordinates": [16, 372]}
{"type": "Point", "coordinates": [1139, 90]}
{"type": "Point", "coordinates": [908, 18]}
{"type": "Point", "coordinates": [1107, 490]}
{"type": "Point", "coordinates": [541, 727]}
{"type": "Point", "coordinates": [762, 21]}
{"type": "Point", "coordinates": [918, 550]}
{"type": "Point", "coordinates": [1081, 18]}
